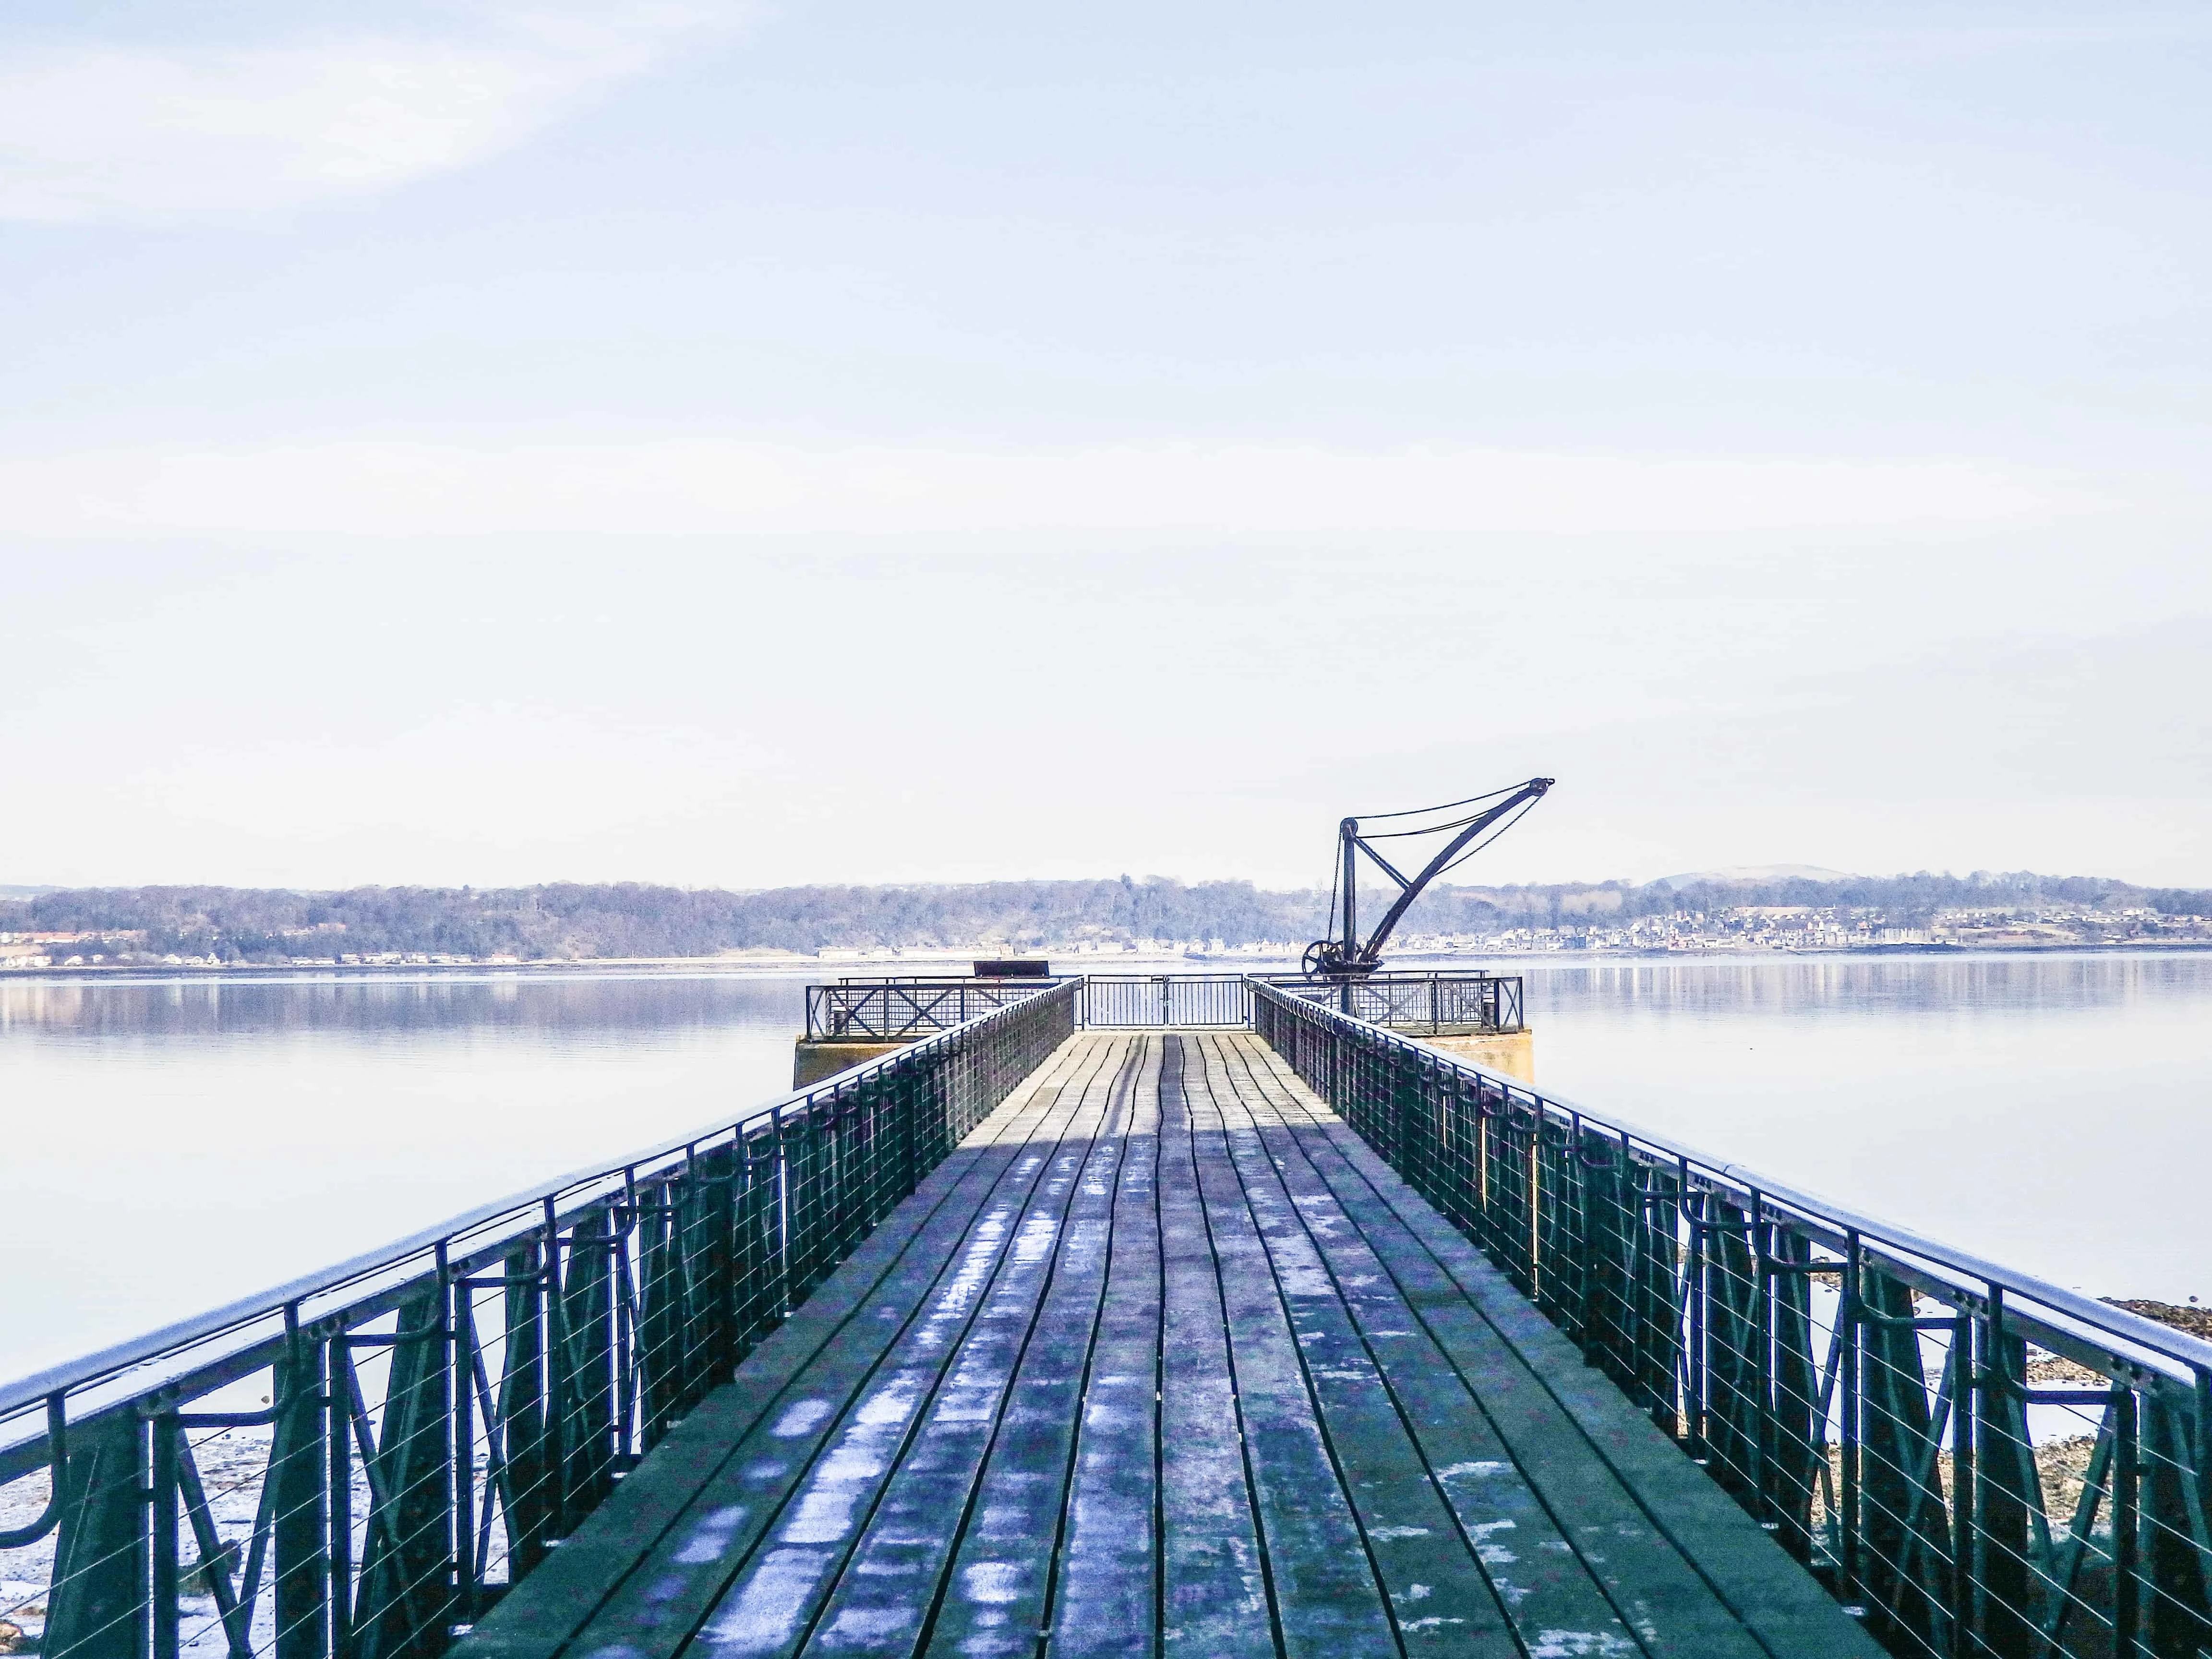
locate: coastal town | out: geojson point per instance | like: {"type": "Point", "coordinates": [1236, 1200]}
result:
{"type": "Point", "coordinates": [1808, 927]}
{"type": "Point", "coordinates": [1749, 928]}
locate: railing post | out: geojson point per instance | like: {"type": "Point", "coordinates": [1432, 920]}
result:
{"type": "Point", "coordinates": [1574, 1202]}
{"type": "Point", "coordinates": [460, 1391]}
{"type": "Point", "coordinates": [339, 1385]}
{"type": "Point", "coordinates": [165, 1543]}
{"type": "Point", "coordinates": [298, 1464]}
{"type": "Point", "coordinates": [2006, 1489]}
{"type": "Point", "coordinates": [1697, 1207]}
{"type": "Point", "coordinates": [1762, 1293]}
{"type": "Point", "coordinates": [1965, 1409]}
{"type": "Point", "coordinates": [1850, 1332]}
{"type": "Point", "coordinates": [406, 1579]}
{"type": "Point", "coordinates": [1537, 1206]}
{"type": "Point", "coordinates": [97, 1604]}
{"type": "Point", "coordinates": [555, 1338]}
{"type": "Point", "coordinates": [2127, 1514]}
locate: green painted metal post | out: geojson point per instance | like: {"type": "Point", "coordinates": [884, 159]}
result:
{"type": "Point", "coordinates": [1696, 1375]}
{"type": "Point", "coordinates": [461, 1391]}
{"type": "Point", "coordinates": [404, 1604]}
{"type": "Point", "coordinates": [585, 1391]}
{"type": "Point", "coordinates": [1906, 1570]}
{"type": "Point", "coordinates": [1734, 1333]}
{"type": "Point", "coordinates": [1852, 1334]}
{"type": "Point", "coordinates": [663, 1379]}
{"type": "Point", "coordinates": [162, 1496]}
{"type": "Point", "coordinates": [340, 1437]}
{"type": "Point", "coordinates": [2008, 1495]}
{"type": "Point", "coordinates": [299, 1468]}
{"type": "Point", "coordinates": [526, 1497]}
{"type": "Point", "coordinates": [1659, 1324]}
{"type": "Point", "coordinates": [2179, 1540]}
{"type": "Point", "coordinates": [2127, 1513]}
{"type": "Point", "coordinates": [98, 1606]}
{"type": "Point", "coordinates": [1797, 1445]}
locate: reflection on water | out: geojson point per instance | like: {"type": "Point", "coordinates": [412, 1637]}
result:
{"type": "Point", "coordinates": [2048, 1111]}
{"type": "Point", "coordinates": [170, 1144]}
{"type": "Point", "coordinates": [1829, 986]}
{"type": "Point", "coordinates": [540, 1003]}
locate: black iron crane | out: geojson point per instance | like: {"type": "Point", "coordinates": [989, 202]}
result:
{"type": "Point", "coordinates": [1346, 955]}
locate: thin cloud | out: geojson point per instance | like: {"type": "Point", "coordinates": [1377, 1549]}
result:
{"type": "Point", "coordinates": [1935, 41]}
{"type": "Point", "coordinates": [691, 486]}
{"type": "Point", "coordinates": [172, 133]}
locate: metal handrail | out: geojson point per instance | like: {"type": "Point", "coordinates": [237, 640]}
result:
{"type": "Point", "coordinates": [2190, 1355]}
{"type": "Point", "coordinates": [888, 1010]}
{"type": "Point", "coordinates": [526, 1207]}
{"type": "Point", "coordinates": [1436, 1000]}
{"type": "Point", "coordinates": [870, 1008]}
{"type": "Point", "coordinates": [437, 1414]}
{"type": "Point", "coordinates": [1899, 1412]}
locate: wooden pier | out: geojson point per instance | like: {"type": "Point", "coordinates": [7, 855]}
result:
{"type": "Point", "coordinates": [1163, 1360]}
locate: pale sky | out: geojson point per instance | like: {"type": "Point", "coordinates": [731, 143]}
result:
{"type": "Point", "coordinates": [740, 445]}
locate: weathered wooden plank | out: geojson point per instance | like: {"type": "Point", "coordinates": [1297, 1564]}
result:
{"type": "Point", "coordinates": [1007, 1408]}
{"type": "Point", "coordinates": [653, 1610]}
{"type": "Point", "coordinates": [1215, 1597]}
{"type": "Point", "coordinates": [995, 1598]}
{"type": "Point", "coordinates": [956, 1356]}
{"type": "Point", "coordinates": [1780, 1606]}
{"type": "Point", "coordinates": [1439, 1584]}
{"type": "Point", "coordinates": [1551, 1595]}
{"type": "Point", "coordinates": [1105, 1596]}
{"type": "Point", "coordinates": [1325, 1597]}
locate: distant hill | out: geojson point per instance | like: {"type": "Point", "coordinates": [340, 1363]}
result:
{"type": "Point", "coordinates": [9, 892]}
{"type": "Point", "coordinates": [628, 919]}
{"type": "Point", "coordinates": [631, 919]}
{"type": "Point", "coordinates": [1754, 874]}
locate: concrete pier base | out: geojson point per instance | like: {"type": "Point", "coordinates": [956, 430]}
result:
{"type": "Point", "coordinates": [1513, 1053]}
{"type": "Point", "coordinates": [813, 1062]}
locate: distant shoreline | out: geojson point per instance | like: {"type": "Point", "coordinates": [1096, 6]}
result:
{"type": "Point", "coordinates": [956, 964]}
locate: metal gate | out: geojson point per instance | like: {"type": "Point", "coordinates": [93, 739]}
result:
{"type": "Point", "coordinates": [1181, 1000]}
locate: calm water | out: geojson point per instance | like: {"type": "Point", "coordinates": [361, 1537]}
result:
{"type": "Point", "coordinates": [2052, 1112]}
{"type": "Point", "coordinates": [171, 1144]}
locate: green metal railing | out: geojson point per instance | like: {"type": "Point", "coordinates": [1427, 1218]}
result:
{"type": "Point", "coordinates": [866, 1010]}
{"type": "Point", "coordinates": [1421, 1004]}
{"type": "Point", "coordinates": [899, 1011]}
{"type": "Point", "coordinates": [1977, 1462]}
{"type": "Point", "coordinates": [356, 1464]}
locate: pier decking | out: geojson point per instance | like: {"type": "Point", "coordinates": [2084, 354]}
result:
{"type": "Point", "coordinates": [1163, 1360]}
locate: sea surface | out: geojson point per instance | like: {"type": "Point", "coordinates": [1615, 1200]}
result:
{"type": "Point", "coordinates": [169, 1145]}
